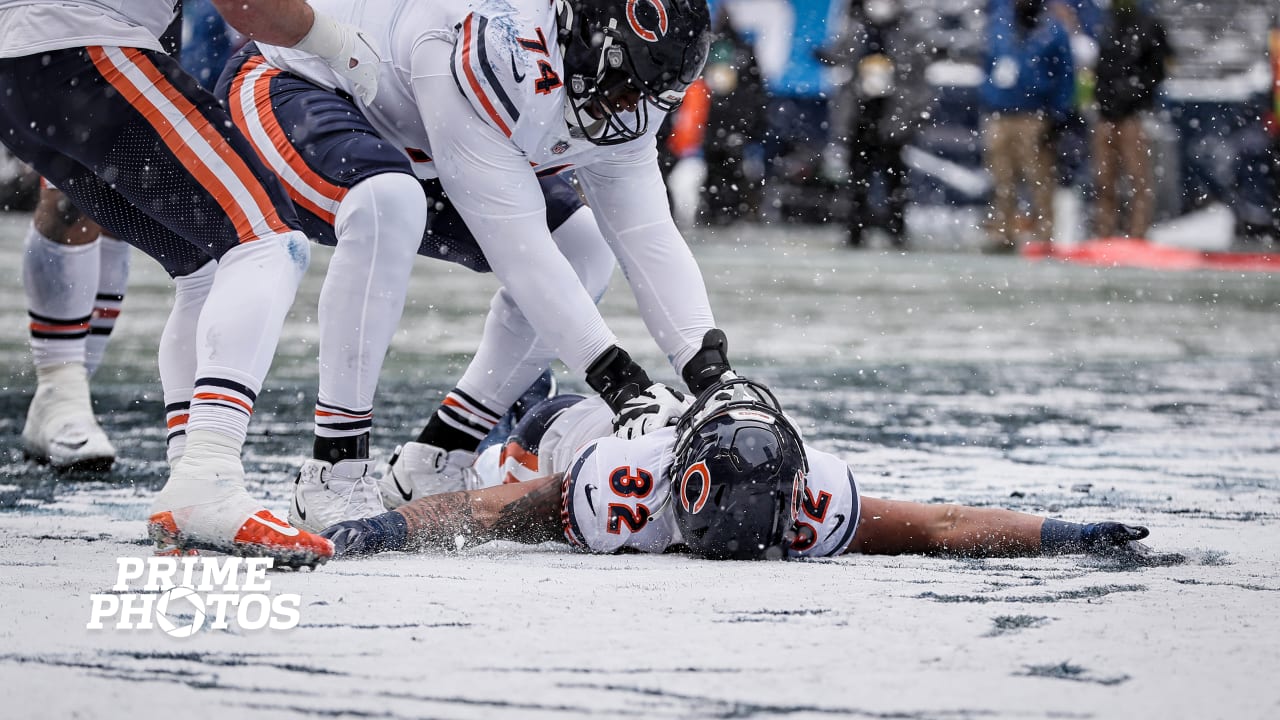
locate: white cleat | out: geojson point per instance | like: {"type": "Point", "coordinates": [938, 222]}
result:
{"type": "Point", "coordinates": [325, 494]}
{"type": "Point", "coordinates": [418, 469]}
{"type": "Point", "coordinates": [61, 429]}
{"type": "Point", "coordinates": [205, 506]}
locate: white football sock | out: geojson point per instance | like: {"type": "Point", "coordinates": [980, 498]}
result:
{"type": "Point", "coordinates": [379, 227]}
{"type": "Point", "coordinates": [178, 354]}
{"type": "Point", "coordinates": [60, 282]}
{"type": "Point", "coordinates": [113, 279]}
{"type": "Point", "coordinates": [239, 328]}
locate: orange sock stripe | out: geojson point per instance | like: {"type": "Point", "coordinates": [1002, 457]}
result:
{"type": "Point", "coordinates": [177, 420]}
{"type": "Point", "coordinates": [227, 398]}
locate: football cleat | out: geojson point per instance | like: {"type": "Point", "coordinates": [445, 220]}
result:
{"type": "Point", "coordinates": [61, 429]}
{"type": "Point", "coordinates": [325, 494]}
{"type": "Point", "coordinates": [418, 469]}
{"type": "Point", "coordinates": [205, 506]}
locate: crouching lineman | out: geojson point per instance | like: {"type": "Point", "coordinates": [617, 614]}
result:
{"type": "Point", "coordinates": [731, 480]}
{"type": "Point", "coordinates": [489, 96]}
{"type": "Point", "coordinates": [94, 105]}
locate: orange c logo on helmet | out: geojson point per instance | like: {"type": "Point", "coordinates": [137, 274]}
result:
{"type": "Point", "coordinates": [695, 505]}
{"type": "Point", "coordinates": [654, 23]}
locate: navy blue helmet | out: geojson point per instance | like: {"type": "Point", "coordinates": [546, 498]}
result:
{"type": "Point", "coordinates": [621, 56]}
{"type": "Point", "coordinates": [738, 473]}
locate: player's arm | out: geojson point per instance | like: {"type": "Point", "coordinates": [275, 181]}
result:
{"type": "Point", "coordinates": [527, 512]}
{"type": "Point", "coordinates": [894, 527]}
{"type": "Point", "coordinates": [629, 199]}
{"type": "Point", "coordinates": [292, 23]}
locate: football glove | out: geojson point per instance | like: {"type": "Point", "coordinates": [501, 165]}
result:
{"type": "Point", "coordinates": [347, 50]}
{"type": "Point", "coordinates": [368, 536]}
{"type": "Point", "coordinates": [657, 407]}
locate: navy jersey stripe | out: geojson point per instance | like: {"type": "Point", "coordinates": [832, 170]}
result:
{"type": "Point", "coordinates": [487, 69]}
{"type": "Point", "coordinates": [570, 485]}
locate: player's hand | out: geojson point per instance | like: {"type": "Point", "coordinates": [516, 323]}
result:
{"type": "Point", "coordinates": [657, 407]}
{"type": "Point", "coordinates": [347, 50]}
{"type": "Point", "coordinates": [1117, 541]}
{"type": "Point", "coordinates": [1106, 538]}
{"type": "Point", "coordinates": [368, 536]}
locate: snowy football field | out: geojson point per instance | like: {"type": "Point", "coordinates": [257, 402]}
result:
{"type": "Point", "coordinates": [1081, 393]}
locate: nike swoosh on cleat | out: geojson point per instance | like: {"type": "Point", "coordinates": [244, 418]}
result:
{"type": "Point", "coordinates": [839, 522]}
{"type": "Point", "coordinates": [282, 529]}
{"type": "Point", "coordinates": [587, 490]}
{"type": "Point", "coordinates": [516, 72]}
{"type": "Point", "coordinates": [302, 513]}
{"type": "Point", "coordinates": [407, 495]}
{"type": "Point", "coordinates": [73, 445]}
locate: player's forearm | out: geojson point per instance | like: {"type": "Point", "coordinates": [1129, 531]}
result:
{"type": "Point", "coordinates": [521, 512]}
{"type": "Point", "coordinates": [275, 22]}
{"type": "Point", "coordinates": [890, 527]}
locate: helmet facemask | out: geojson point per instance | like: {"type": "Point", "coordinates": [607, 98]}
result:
{"type": "Point", "coordinates": [614, 75]}
{"type": "Point", "coordinates": [738, 474]}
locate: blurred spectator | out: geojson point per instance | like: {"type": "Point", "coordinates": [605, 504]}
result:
{"type": "Point", "coordinates": [207, 41]}
{"type": "Point", "coordinates": [1131, 65]}
{"type": "Point", "coordinates": [879, 110]}
{"type": "Point", "coordinates": [735, 127]}
{"type": "Point", "coordinates": [1027, 98]}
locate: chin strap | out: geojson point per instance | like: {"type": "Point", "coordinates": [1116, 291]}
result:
{"type": "Point", "coordinates": [617, 378]}
{"type": "Point", "coordinates": [709, 363]}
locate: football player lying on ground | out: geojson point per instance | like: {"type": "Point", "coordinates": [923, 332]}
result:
{"type": "Point", "coordinates": [731, 480]}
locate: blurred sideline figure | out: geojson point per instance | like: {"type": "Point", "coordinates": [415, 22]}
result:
{"type": "Point", "coordinates": [878, 112]}
{"type": "Point", "coordinates": [94, 105]}
{"type": "Point", "coordinates": [1026, 98]}
{"type": "Point", "coordinates": [1132, 55]}
{"type": "Point", "coordinates": [731, 480]}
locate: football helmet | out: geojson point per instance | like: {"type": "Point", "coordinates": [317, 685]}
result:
{"type": "Point", "coordinates": [621, 56]}
{"type": "Point", "coordinates": [738, 473]}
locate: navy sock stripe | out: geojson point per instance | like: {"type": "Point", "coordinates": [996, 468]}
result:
{"type": "Point", "coordinates": [479, 407]}
{"type": "Point", "coordinates": [354, 425]}
{"type": "Point", "coordinates": [229, 385]}
{"type": "Point", "coordinates": [107, 297]}
{"type": "Point", "coordinates": [174, 407]}
{"type": "Point", "coordinates": [59, 321]}
{"type": "Point", "coordinates": [339, 408]}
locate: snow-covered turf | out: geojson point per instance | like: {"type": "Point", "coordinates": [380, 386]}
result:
{"type": "Point", "coordinates": [1071, 391]}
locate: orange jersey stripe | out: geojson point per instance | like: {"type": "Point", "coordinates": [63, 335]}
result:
{"type": "Point", "coordinates": [190, 161]}
{"type": "Point", "coordinates": [264, 114]}
{"type": "Point", "coordinates": [471, 77]}
{"type": "Point", "coordinates": [228, 398]}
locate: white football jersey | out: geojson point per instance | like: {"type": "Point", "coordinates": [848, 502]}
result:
{"type": "Point", "coordinates": [505, 62]}
{"type": "Point", "coordinates": [616, 494]}
{"type": "Point", "coordinates": [31, 26]}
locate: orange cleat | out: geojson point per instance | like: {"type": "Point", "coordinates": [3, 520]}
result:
{"type": "Point", "coordinates": [261, 534]}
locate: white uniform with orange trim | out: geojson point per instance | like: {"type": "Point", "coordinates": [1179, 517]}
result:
{"type": "Point", "coordinates": [616, 492]}
{"type": "Point", "coordinates": [28, 27]}
{"type": "Point", "coordinates": [472, 89]}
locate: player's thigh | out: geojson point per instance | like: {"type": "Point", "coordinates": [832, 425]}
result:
{"type": "Point", "coordinates": [122, 218]}
{"type": "Point", "coordinates": [448, 238]}
{"type": "Point", "coordinates": [316, 141]}
{"type": "Point", "coordinates": [139, 123]}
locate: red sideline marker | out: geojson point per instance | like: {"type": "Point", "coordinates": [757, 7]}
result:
{"type": "Point", "coordinates": [1130, 252]}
